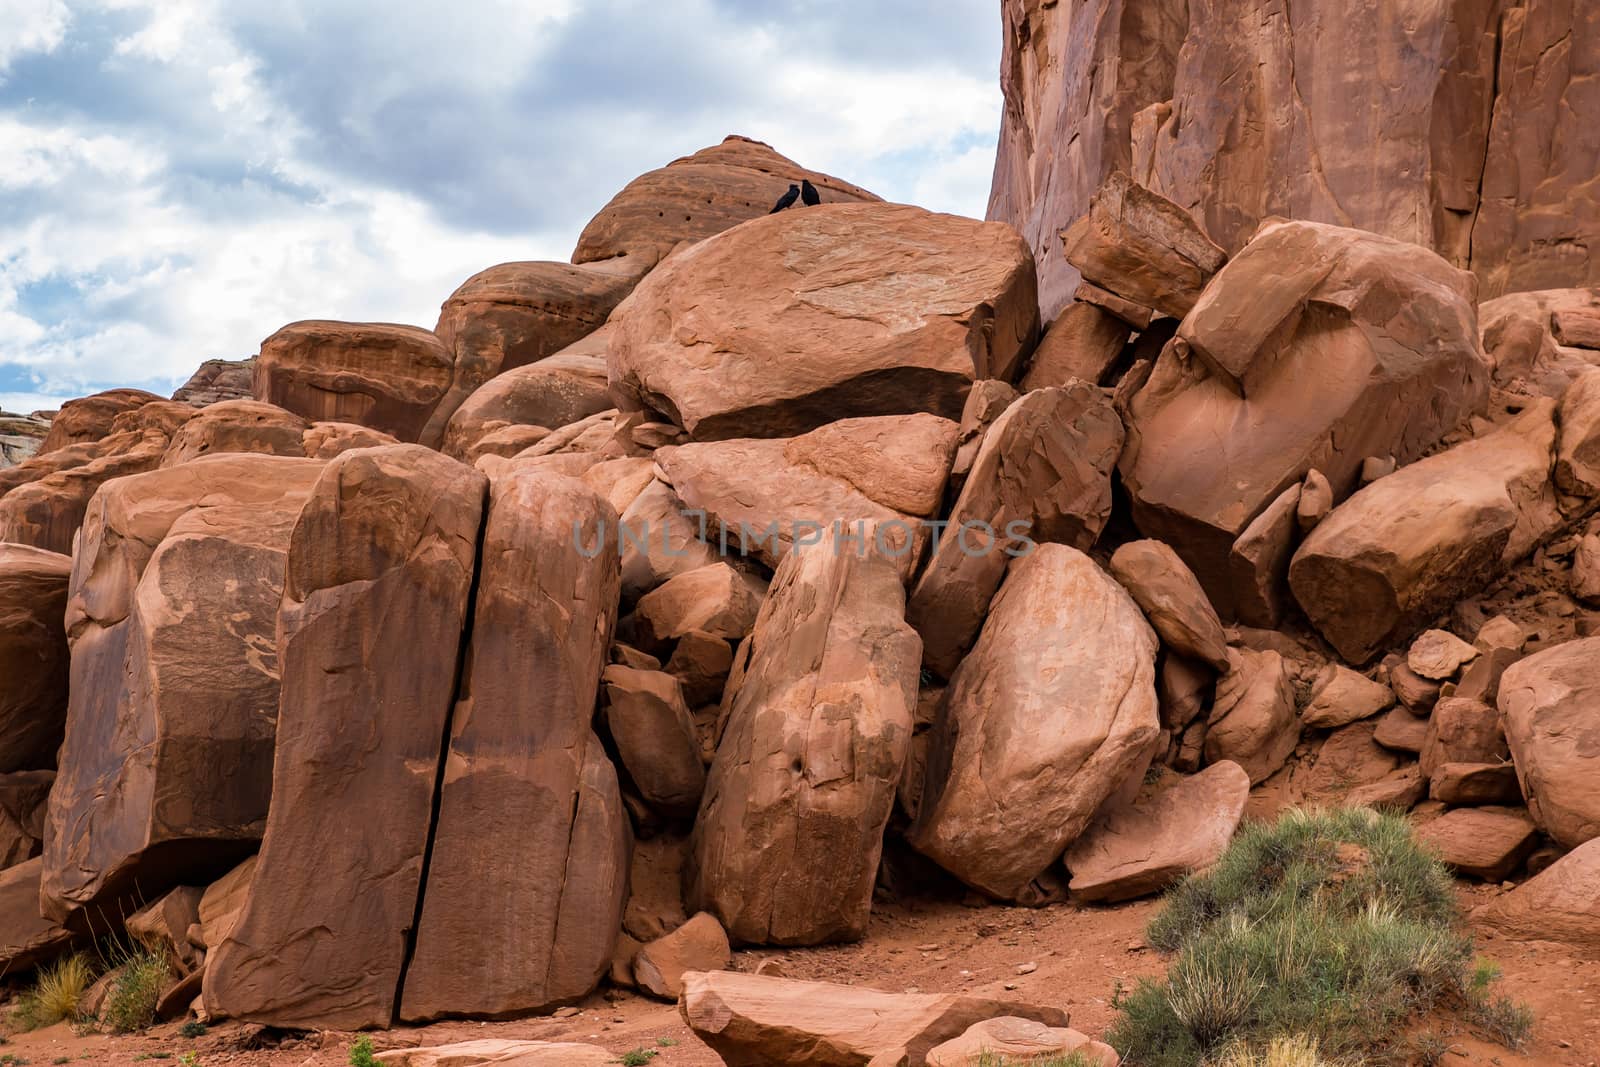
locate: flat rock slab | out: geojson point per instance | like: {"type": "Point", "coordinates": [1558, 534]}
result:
{"type": "Point", "coordinates": [492, 1053]}
{"type": "Point", "coordinates": [1560, 904]}
{"type": "Point", "coordinates": [1020, 1041]}
{"type": "Point", "coordinates": [756, 1021]}
{"type": "Point", "coordinates": [1142, 848]}
{"type": "Point", "coordinates": [1486, 843]}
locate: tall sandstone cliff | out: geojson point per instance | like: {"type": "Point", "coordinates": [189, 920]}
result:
{"type": "Point", "coordinates": [1457, 124]}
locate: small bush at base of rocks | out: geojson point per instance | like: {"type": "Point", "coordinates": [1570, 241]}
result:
{"type": "Point", "coordinates": [1320, 935]}
{"type": "Point", "coordinates": [131, 1001]}
{"type": "Point", "coordinates": [1071, 1059]}
{"type": "Point", "coordinates": [55, 995]}
{"type": "Point", "coordinates": [361, 1053]}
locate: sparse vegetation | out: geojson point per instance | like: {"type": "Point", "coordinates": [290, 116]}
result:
{"type": "Point", "coordinates": [638, 1057]}
{"type": "Point", "coordinates": [361, 1054]}
{"type": "Point", "coordinates": [666, 1042]}
{"type": "Point", "coordinates": [55, 996]}
{"type": "Point", "coordinates": [190, 1059]}
{"type": "Point", "coordinates": [192, 1029]}
{"type": "Point", "coordinates": [135, 990]}
{"type": "Point", "coordinates": [1071, 1059]}
{"type": "Point", "coordinates": [1316, 938]}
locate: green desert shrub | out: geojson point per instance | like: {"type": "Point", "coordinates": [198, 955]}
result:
{"type": "Point", "coordinates": [139, 977]}
{"type": "Point", "coordinates": [1314, 938]}
{"type": "Point", "coordinates": [361, 1054]}
{"type": "Point", "coordinates": [55, 995]}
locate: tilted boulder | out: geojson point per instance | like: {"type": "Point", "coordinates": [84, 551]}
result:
{"type": "Point", "coordinates": [1083, 342]}
{"type": "Point", "coordinates": [1315, 347]}
{"type": "Point", "coordinates": [33, 656]}
{"type": "Point", "coordinates": [166, 769]}
{"type": "Point", "coordinates": [1252, 719]}
{"type": "Point", "coordinates": [89, 418]}
{"type": "Point", "coordinates": [661, 541]}
{"type": "Point", "coordinates": [698, 945]}
{"type": "Point", "coordinates": [1519, 337]}
{"type": "Point", "coordinates": [517, 920]}
{"type": "Point", "coordinates": [1142, 247]}
{"type": "Point", "coordinates": [379, 568]}
{"type": "Point", "coordinates": [551, 393]}
{"type": "Point", "coordinates": [47, 497]}
{"type": "Point", "coordinates": [1550, 706]}
{"type": "Point", "coordinates": [764, 496]}
{"type": "Point", "coordinates": [653, 731]}
{"type": "Point", "coordinates": [1132, 850]}
{"type": "Point", "coordinates": [1485, 843]}
{"type": "Point", "coordinates": [1578, 449]}
{"type": "Point", "coordinates": [1020, 1040]}
{"type": "Point", "coordinates": [1560, 904]}
{"type": "Point", "coordinates": [756, 1021]}
{"type": "Point", "coordinates": [1042, 475]}
{"type": "Point", "coordinates": [695, 197]}
{"type": "Point", "coordinates": [819, 720]}
{"type": "Point", "coordinates": [1401, 551]}
{"type": "Point", "coordinates": [238, 426]}
{"type": "Point", "coordinates": [1340, 696]}
{"type": "Point", "coordinates": [716, 599]}
{"type": "Point", "coordinates": [388, 377]}
{"type": "Point", "coordinates": [851, 310]}
{"type": "Point", "coordinates": [1047, 717]}
{"type": "Point", "coordinates": [1170, 597]}
{"type": "Point", "coordinates": [515, 314]}
{"type": "Point", "coordinates": [27, 938]}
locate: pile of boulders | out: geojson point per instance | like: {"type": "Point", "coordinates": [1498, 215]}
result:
{"type": "Point", "coordinates": [623, 618]}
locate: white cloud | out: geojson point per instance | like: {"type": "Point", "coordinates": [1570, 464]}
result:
{"type": "Point", "coordinates": [31, 26]}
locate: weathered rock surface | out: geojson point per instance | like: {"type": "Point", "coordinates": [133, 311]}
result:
{"type": "Point", "coordinates": [1550, 703]}
{"type": "Point", "coordinates": [1083, 342]}
{"type": "Point", "coordinates": [1341, 696]}
{"type": "Point", "coordinates": [223, 902]}
{"type": "Point", "coordinates": [1020, 1040]}
{"type": "Point", "coordinates": [1461, 730]}
{"type": "Point", "coordinates": [819, 719]}
{"type": "Point", "coordinates": [1486, 843]}
{"type": "Point", "coordinates": [238, 426]}
{"type": "Point", "coordinates": [1252, 719]}
{"type": "Point", "coordinates": [1577, 470]}
{"type": "Point", "coordinates": [1560, 904]}
{"type": "Point", "coordinates": [516, 314]}
{"type": "Point", "coordinates": [23, 799]}
{"type": "Point", "coordinates": [763, 496]}
{"type": "Point", "coordinates": [26, 939]}
{"type": "Point", "coordinates": [805, 317]}
{"type": "Point", "coordinates": [1046, 718]}
{"type": "Point", "coordinates": [217, 381]}
{"type": "Point", "coordinates": [661, 541]}
{"type": "Point", "coordinates": [1172, 600]}
{"type": "Point", "coordinates": [1439, 654]}
{"type": "Point", "coordinates": [1042, 475]}
{"type": "Point", "coordinates": [698, 945]}
{"type": "Point", "coordinates": [1402, 550]}
{"type": "Point", "coordinates": [754, 1021]}
{"type": "Point", "coordinates": [1258, 562]}
{"type": "Point", "coordinates": [1520, 340]}
{"type": "Point", "coordinates": [20, 437]}
{"type": "Point", "coordinates": [697, 196]}
{"type": "Point", "coordinates": [1239, 110]}
{"type": "Point", "coordinates": [1142, 247]}
{"type": "Point", "coordinates": [167, 762]}
{"type": "Point", "coordinates": [388, 377]}
{"type": "Point", "coordinates": [1137, 849]}
{"type": "Point", "coordinates": [1315, 347]}
{"type": "Point", "coordinates": [717, 600]}
{"type": "Point", "coordinates": [514, 922]}
{"type": "Point", "coordinates": [653, 730]}
{"type": "Point", "coordinates": [492, 1052]}
{"type": "Point", "coordinates": [88, 419]}
{"type": "Point", "coordinates": [163, 926]}
{"type": "Point", "coordinates": [33, 656]}
{"type": "Point", "coordinates": [379, 566]}
{"type": "Point", "coordinates": [550, 393]}
{"type": "Point", "coordinates": [44, 498]}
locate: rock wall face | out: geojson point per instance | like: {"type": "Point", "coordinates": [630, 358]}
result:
{"type": "Point", "coordinates": [1470, 141]}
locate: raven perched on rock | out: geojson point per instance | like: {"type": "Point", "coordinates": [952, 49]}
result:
{"type": "Point", "coordinates": [808, 193]}
{"type": "Point", "coordinates": [787, 199]}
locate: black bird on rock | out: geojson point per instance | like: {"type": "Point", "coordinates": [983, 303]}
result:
{"type": "Point", "coordinates": [808, 193]}
{"type": "Point", "coordinates": [787, 199]}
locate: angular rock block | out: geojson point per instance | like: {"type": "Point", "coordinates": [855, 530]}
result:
{"type": "Point", "coordinates": [1170, 597]}
{"type": "Point", "coordinates": [1042, 474]}
{"type": "Point", "coordinates": [755, 1021]}
{"type": "Point", "coordinates": [238, 426]}
{"type": "Point", "coordinates": [1560, 904]}
{"type": "Point", "coordinates": [1315, 347]}
{"type": "Point", "coordinates": [1083, 342]}
{"type": "Point", "coordinates": [45, 502]}
{"type": "Point", "coordinates": [1252, 719]}
{"type": "Point", "coordinates": [89, 418]}
{"type": "Point", "coordinates": [1550, 706]}
{"type": "Point", "coordinates": [166, 767]}
{"type": "Point", "coordinates": [1048, 716]}
{"type": "Point", "coordinates": [388, 377]}
{"type": "Point", "coordinates": [24, 797]}
{"type": "Point", "coordinates": [1402, 550]}
{"type": "Point", "coordinates": [806, 317]}
{"type": "Point", "coordinates": [786, 847]}
{"type": "Point", "coordinates": [527, 916]}
{"type": "Point", "coordinates": [379, 568]}
{"type": "Point", "coordinates": [26, 938]}
{"type": "Point", "coordinates": [653, 731]}
{"type": "Point", "coordinates": [33, 656]}
{"type": "Point", "coordinates": [551, 393]}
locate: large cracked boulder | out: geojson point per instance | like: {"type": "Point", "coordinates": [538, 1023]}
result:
{"type": "Point", "coordinates": [526, 917]}
{"type": "Point", "coordinates": [1401, 551]}
{"type": "Point", "coordinates": [388, 377]}
{"type": "Point", "coordinates": [1550, 707]}
{"type": "Point", "coordinates": [697, 196]}
{"type": "Point", "coordinates": [805, 317]}
{"type": "Point", "coordinates": [763, 496]}
{"type": "Point", "coordinates": [1047, 717]}
{"type": "Point", "coordinates": [1314, 348]}
{"type": "Point", "coordinates": [33, 656]}
{"type": "Point", "coordinates": [379, 568]}
{"type": "Point", "coordinates": [516, 314]}
{"type": "Point", "coordinates": [819, 721]}
{"type": "Point", "coordinates": [755, 1021]}
{"type": "Point", "coordinates": [551, 393]}
{"type": "Point", "coordinates": [166, 768]}
{"type": "Point", "coordinates": [1041, 475]}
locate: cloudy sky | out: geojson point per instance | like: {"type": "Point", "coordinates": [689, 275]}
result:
{"type": "Point", "coordinates": [179, 178]}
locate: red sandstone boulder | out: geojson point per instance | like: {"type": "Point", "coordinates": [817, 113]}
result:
{"type": "Point", "coordinates": [1170, 597]}
{"type": "Point", "coordinates": [24, 796]}
{"type": "Point", "coordinates": [1010, 1040]}
{"type": "Point", "coordinates": [1315, 347]}
{"type": "Point", "coordinates": [653, 731]}
{"type": "Point", "coordinates": [44, 498]}
{"type": "Point", "coordinates": [818, 725]}
{"type": "Point", "coordinates": [1560, 904]}
{"type": "Point", "coordinates": [33, 656]}
{"type": "Point", "coordinates": [89, 418]}
{"type": "Point", "coordinates": [1050, 714]}
{"type": "Point", "coordinates": [166, 768]}
{"type": "Point", "coordinates": [1519, 337]}
{"type": "Point", "coordinates": [388, 377]}
{"type": "Point", "coordinates": [1550, 704]}
{"type": "Point", "coordinates": [805, 317]}
{"type": "Point", "coordinates": [1252, 719]}
{"type": "Point", "coordinates": [698, 945]}
{"type": "Point", "coordinates": [695, 197]}
{"type": "Point", "coordinates": [1485, 843]}
{"type": "Point", "coordinates": [216, 381]}
{"type": "Point", "coordinates": [26, 939]}
{"type": "Point", "coordinates": [1083, 342]}
{"type": "Point", "coordinates": [238, 426]}
{"type": "Point", "coordinates": [550, 393]}
{"type": "Point", "coordinates": [520, 919]}
{"type": "Point", "coordinates": [379, 568]}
